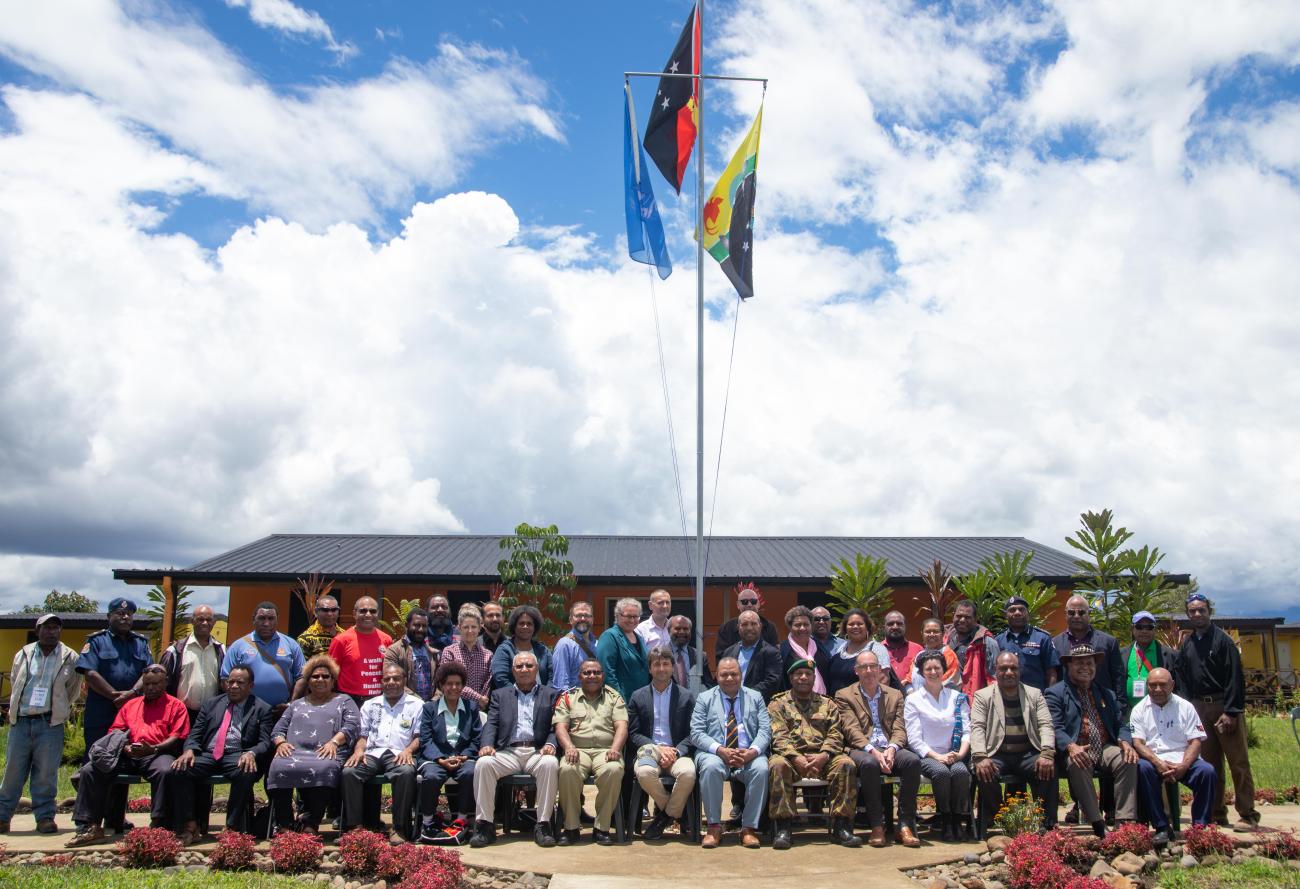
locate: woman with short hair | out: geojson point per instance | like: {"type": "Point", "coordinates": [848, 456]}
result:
{"type": "Point", "coordinates": [449, 744]}
{"type": "Point", "coordinates": [938, 731]}
{"type": "Point", "coordinates": [522, 627]}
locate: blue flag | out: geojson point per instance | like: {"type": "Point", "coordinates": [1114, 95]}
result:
{"type": "Point", "coordinates": [645, 232]}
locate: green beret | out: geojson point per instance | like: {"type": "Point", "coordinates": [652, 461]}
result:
{"type": "Point", "coordinates": [801, 664]}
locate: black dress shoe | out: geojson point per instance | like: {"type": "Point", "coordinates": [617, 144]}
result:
{"type": "Point", "coordinates": [842, 833]}
{"type": "Point", "coordinates": [568, 838]}
{"type": "Point", "coordinates": [542, 835]}
{"type": "Point", "coordinates": [1099, 828]}
{"type": "Point", "coordinates": [485, 834]}
{"type": "Point", "coordinates": [602, 837]}
{"type": "Point", "coordinates": [658, 824]}
{"type": "Point", "coordinates": [781, 838]}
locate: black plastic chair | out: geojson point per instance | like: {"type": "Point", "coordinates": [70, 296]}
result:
{"type": "Point", "coordinates": [692, 813]}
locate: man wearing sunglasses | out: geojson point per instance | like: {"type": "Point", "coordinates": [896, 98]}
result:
{"type": "Point", "coordinates": [359, 652]}
{"type": "Point", "coordinates": [747, 599]}
{"type": "Point", "coordinates": [316, 639]}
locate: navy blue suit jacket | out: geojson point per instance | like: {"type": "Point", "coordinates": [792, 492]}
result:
{"type": "Point", "coordinates": [641, 718]}
{"type": "Point", "coordinates": [503, 716]}
{"type": "Point", "coordinates": [433, 732]}
{"type": "Point", "coordinates": [1066, 706]}
{"type": "Point", "coordinates": [254, 727]}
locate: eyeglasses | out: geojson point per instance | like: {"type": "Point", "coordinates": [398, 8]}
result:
{"type": "Point", "coordinates": [1076, 612]}
{"type": "Point", "coordinates": [326, 610]}
{"type": "Point", "coordinates": [367, 611]}
{"type": "Point", "coordinates": [821, 620]}
{"type": "Point", "coordinates": [748, 601]}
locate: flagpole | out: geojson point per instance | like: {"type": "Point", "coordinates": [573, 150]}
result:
{"type": "Point", "coordinates": [697, 676]}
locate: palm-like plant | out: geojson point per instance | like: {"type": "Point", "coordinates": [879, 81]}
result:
{"type": "Point", "coordinates": [402, 609]}
{"type": "Point", "coordinates": [981, 590]}
{"type": "Point", "coordinates": [997, 579]}
{"type": "Point", "coordinates": [311, 588]}
{"type": "Point", "coordinates": [938, 582]}
{"type": "Point", "coordinates": [861, 583]}
{"type": "Point", "coordinates": [180, 615]}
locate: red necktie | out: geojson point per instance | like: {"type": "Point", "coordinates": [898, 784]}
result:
{"type": "Point", "coordinates": [219, 747]}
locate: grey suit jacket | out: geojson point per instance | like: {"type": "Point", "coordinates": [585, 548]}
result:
{"type": "Point", "coordinates": [988, 721]}
{"type": "Point", "coordinates": [709, 721]}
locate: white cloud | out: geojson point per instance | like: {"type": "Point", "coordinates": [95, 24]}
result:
{"type": "Point", "coordinates": [317, 155]}
{"type": "Point", "coordinates": [1055, 335]}
{"type": "Point", "coordinates": [282, 15]}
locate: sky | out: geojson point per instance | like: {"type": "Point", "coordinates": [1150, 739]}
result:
{"type": "Point", "coordinates": [360, 266]}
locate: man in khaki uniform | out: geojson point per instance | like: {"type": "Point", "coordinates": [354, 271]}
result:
{"type": "Point", "coordinates": [808, 742]}
{"type": "Point", "coordinates": [591, 728]}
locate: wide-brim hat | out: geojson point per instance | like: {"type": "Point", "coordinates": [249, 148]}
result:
{"type": "Point", "coordinates": [1084, 650]}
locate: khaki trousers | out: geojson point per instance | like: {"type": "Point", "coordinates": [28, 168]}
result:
{"type": "Point", "coordinates": [1124, 775]}
{"type": "Point", "coordinates": [508, 761]}
{"type": "Point", "coordinates": [682, 772]}
{"type": "Point", "coordinates": [1213, 749]}
{"type": "Point", "coordinates": [609, 779]}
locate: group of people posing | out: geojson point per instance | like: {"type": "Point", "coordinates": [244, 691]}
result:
{"type": "Point", "coordinates": [321, 717]}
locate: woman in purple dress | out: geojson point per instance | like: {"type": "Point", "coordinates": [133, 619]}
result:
{"type": "Point", "coordinates": [313, 739]}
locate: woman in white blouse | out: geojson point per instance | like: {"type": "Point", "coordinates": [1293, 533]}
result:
{"type": "Point", "coordinates": [938, 731]}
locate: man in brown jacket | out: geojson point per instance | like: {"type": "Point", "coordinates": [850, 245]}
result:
{"type": "Point", "coordinates": [1011, 735]}
{"type": "Point", "coordinates": [874, 734]}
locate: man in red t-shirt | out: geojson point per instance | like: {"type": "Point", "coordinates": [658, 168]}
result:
{"type": "Point", "coordinates": [157, 724]}
{"type": "Point", "coordinates": [359, 652]}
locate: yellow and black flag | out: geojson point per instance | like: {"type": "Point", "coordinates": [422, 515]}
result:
{"type": "Point", "coordinates": [670, 132]}
{"type": "Point", "coordinates": [729, 214]}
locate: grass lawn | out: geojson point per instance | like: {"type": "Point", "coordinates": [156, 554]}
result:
{"type": "Point", "coordinates": [1275, 763]}
{"type": "Point", "coordinates": [77, 877]}
{"type": "Point", "coordinates": [1248, 875]}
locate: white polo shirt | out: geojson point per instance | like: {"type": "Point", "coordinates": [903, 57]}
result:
{"type": "Point", "coordinates": [1166, 730]}
{"type": "Point", "coordinates": [654, 635]}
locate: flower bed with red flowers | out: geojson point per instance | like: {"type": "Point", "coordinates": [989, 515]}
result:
{"type": "Point", "coordinates": [234, 851]}
{"type": "Point", "coordinates": [61, 859]}
{"type": "Point", "coordinates": [1202, 839]}
{"type": "Point", "coordinates": [295, 853]}
{"type": "Point", "coordinates": [139, 804]}
{"type": "Point", "coordinates": [149, 847]}
{"type": "Point", "coordinates": [359, 851]}
{"type": "Point", "coordinates": [1052, 860]}
{"type": "Point", "coordinates": [1135, 838]}
{"type": "Point", "coordinates": [1280, 846]}
{"type": "Point", "coordinates": [438, 873]}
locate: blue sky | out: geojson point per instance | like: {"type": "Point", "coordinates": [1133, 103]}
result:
{"type": "Point", "coordinates": [269, 265]}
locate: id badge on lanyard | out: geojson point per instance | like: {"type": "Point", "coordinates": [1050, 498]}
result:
{"type": "Point", "coordinates": [40, 697]}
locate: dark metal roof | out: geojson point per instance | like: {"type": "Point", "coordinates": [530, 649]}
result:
{"type": "Point", "coordinates": [596, 558]}
{"type": "Point", "coordinates": [77, 620]}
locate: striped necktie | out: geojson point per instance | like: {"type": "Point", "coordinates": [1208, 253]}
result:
{"type": "Point", "coordinates": [733, 729]}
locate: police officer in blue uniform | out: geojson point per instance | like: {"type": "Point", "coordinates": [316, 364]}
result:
{"type": "Point", "coordinates": [112, 660]}
{"type": "Point", "coordinates": [1040, 663]}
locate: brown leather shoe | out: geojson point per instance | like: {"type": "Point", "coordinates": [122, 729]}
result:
{"type": "Point", "coordinates": [877, 839]}
{"type": "Point", "coordinates": [712, 837]}
{"type": "Point", "coordinates": [908, 838]}
{"type": "Point", "coordinates": [749, 838]}
{"type": "Point", "coordinates": [86, 838]}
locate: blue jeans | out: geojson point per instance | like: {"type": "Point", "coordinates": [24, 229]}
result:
{"type": "Point", "coordinates": [35, 748]}
{"type": "Point", "coordinates": [712, 772]}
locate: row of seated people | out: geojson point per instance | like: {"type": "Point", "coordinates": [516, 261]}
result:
{"type": "Point", "coordinates": [324, 747]}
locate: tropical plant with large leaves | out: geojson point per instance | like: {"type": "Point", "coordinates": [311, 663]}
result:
{"type": "Point", "coordinates": [980, 589]}
{"type": "Point", "coordinates": [943, 595]}
{"type": "Point", "coordinates": [998, 578]}
{"type": "Point", "coordinates": [537, 573]}
{"type": "Point", "coordinates": [181, 613]}
{"type": "Point", "coordinates": [402, 608]}
{"type": "Point", "coordinates": [862, 583]}
{"type": "Point", "coordinates": [311, 588]}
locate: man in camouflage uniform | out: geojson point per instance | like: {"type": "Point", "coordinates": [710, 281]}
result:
{"type": "Point", "coordinates": [591, 728]}
{"type": "Point", "coordinates": [807, 742]}
{"type": "Point", "coordinates": [316, 639]}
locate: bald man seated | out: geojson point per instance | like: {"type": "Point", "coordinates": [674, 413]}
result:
{"type": "Point", "coordinates": [1167, 734]}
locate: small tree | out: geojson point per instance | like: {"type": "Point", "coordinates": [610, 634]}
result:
{"type": "Point", "coordinates": [1124, 580]}
{"type": "Point", "coordinates": [981, 590]}
{"type": "Point", "coordinates": [997, 579]}
{"type": "Point", "coordinates": [938, 582]}
{"type": "Point", "coordinates": [311, 588]}
{"type": "Point", "coordinates": [537, 573]}
{"type": "Point", "coordinates": [181, 620]}
{"type": "Point", "coordinates": [861, 584]}
{"type": "Point", "coordinates": [63, 603]}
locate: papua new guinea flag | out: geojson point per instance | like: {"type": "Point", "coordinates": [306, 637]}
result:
{"type": "Point", "coordinates": [670, 132]}
{"type": "Point", "coordinates": [729, 214]}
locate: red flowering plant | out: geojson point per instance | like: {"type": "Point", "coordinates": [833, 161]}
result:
{"type": "Point", "coordinates": [396, 862]}
{"type": "Point", "coordinates": [359, 851]}
{"type": "Point", "coordinates": [139, 804]}
{"type": "Point", "coordinates": [1202, 839]}
{"type": "Point", "coordinates": [149, 847]}
{"type": "Point", "coordinates": [1280, 846]}
{"type": "Point", "coordinates": [294, 853]}
{"type": "Point", "coordinates": [1135, 838]}
{"type": "Point", "coordinates": [431, 875]}
{"type": "Point", "coordinates": [4, 853]}
{"type": "Point", "coordinates": [234, 851]}
{"type": "Point", "coordinates": [61, 859]}
{"type": "Point", "coordinates": [1050, 859]}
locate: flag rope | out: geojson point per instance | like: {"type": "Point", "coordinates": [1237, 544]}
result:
{"type": "Point", "coordinates": [668, 410]}
{"type": "Point", "coordinates": [717, 469]}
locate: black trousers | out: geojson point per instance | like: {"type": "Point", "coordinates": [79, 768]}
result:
{"type": "Point", "coordinates": [314, 802]}
{"type": "Point", "coordinates": [187, 785]}
{"type": "Point", "coordinates": [907, 766]}
{"type": "Point", "coordinates": [1024, 767]}
{"type": "Point", "coordinates": [93, 787]}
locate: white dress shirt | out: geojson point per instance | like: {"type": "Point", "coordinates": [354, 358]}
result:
{"type": "Point", "coordinates": [390, 728]}
{"type": "Point", "coordinates": [1166, 730]}
{"type": "Point", "coordinates": [930, 722]}
{"type": "Point", "coordinates": [200, 677]}
{"type": "Point", "coordinates": [652, 634]}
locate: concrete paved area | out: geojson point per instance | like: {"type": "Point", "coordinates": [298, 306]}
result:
{"type": "Point", "coordinates": [671, 864]}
